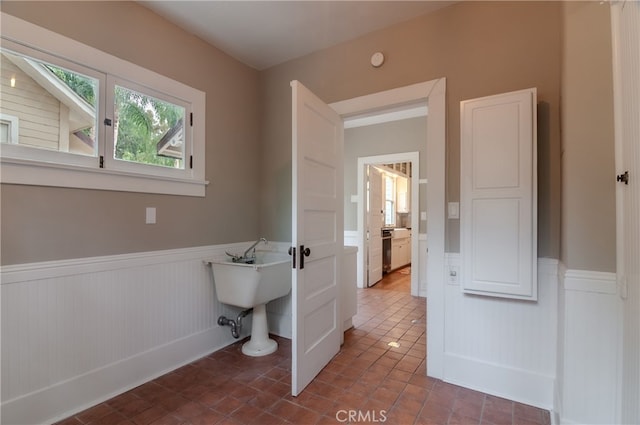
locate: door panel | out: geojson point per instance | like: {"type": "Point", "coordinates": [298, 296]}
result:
{"type": "Point", "coordinates": [317, 223]}
{"type": "Point", "coordinates": [375, 219]}
{"type": "Point", "coordinates": [499, 195]}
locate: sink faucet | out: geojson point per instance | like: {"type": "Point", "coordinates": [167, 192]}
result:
{"type": "Point", "coordinates": [244, 258]}
{"type": "Point", "coordinates": [253, 247]}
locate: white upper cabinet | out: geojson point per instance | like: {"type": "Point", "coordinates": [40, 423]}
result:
{"type": "Point", "coordinates": [498, 195]}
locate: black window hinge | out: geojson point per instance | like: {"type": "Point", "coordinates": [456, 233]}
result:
{"type": "Point", "coordinates": [107, 121]}
{"type": "Point", "coordinates": [191, 119]}
{"type": "Point", "coordinates": [191, 162]}
{"type": "Point", "coordinates": [101, 161]}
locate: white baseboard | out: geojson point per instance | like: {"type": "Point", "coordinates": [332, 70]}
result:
{"type": "Point", "coordinates": [97, 386]}
{"type": "Point", "coordinates": [511, 383]}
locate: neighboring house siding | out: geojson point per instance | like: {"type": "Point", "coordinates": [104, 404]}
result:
{"type": "Point", "coordinates": [38, 112]}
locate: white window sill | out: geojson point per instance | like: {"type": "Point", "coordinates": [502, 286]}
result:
{"type": "Point", "coordinates": [20, 171]}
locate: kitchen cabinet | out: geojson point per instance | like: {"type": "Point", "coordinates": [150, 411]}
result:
{"type": "Point", "coordinates": [403, 195]}
{"type": "Point", "coordinates": [400, 248]}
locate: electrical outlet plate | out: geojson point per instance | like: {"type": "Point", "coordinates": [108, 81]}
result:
{"type": "Point", "coordinates": [454, 274]}
{"type": "Point", "coordinates": [454, 210]}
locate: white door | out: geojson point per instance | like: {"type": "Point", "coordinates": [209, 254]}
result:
{"type": "Point", "coordinates": [626, 65]}
{"type": "Point", "coordinates": [498, 194]}
{"type": "Point", "coordinates": [317, 234]}
{"type": "Point", "coordinates": [375, 218]}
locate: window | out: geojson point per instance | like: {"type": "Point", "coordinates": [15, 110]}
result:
{"type": "Point", "coordinates": [92, 120]}
{"type": "Point", "coordinates": [54, 108]}
{"type": "Point", "coordinates": [389, 200]}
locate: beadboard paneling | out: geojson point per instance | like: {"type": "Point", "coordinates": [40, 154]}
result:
{"type": "Point", "coordinates": [501, 346]}
{"type": "Point", "coordinates": [77, 332]}
{"type": "Point", "coordinates": [587, 376]}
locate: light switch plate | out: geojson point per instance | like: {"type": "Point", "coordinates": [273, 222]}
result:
{"type": "Point", "coordinates": [454, 210]}
{"type": "Point", "coordinates": [150, 215]}
{"type": "Point", "coordinates": [423, 215]}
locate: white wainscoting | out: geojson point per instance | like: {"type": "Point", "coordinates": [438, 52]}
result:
{"type": "Point", "coordinates": [77, 332]}
{"type": "Point", "coordinates": [588, 348]}
{"type": "Point", "coordinates": [500, 346]}
{"type": "Point", "coordinates": [351, 238]}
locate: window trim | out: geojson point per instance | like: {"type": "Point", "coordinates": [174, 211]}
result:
{"type": "Point", "coordinates": [41, 171]}
{"type": "Point", "coordinates": [12, 123]}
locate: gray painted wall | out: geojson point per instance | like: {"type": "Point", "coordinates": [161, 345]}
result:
{"type": "Point", "coordinates": [482, 48]}
{"type": "Point", "coordinates": [588, 162]}
{"type": "Point", "coordinates": [48, 223]}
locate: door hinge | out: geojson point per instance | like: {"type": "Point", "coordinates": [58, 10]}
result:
{"type": "Point", "coordinates": [107, 121]}
{"type": "Point", "coordinates": [191, 119]}
{"type": "Point", "coordinates": [292, 253]}
{"type": "Point", "coordinates": [191, 161]}
{"type": "Point", "coordinates": [101, 161]}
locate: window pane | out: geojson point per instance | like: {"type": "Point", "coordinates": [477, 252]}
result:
{"type": "Point", "coordinates": [148, 130]}
{"type": "Point", "coordinates": [389, 214]}
{"type": "Point", "coordinates": [54, 108]}
{"type": "Point", "coordinates": [389, 204]}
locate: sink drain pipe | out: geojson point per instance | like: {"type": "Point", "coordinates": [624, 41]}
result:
{"type": "Point", "coordinates": [236, 325]}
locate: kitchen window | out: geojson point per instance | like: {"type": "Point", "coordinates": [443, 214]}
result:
{"type": "Point", "coordinates": [389, 200]}
{"type": "Point", "coordinates": [74, 116]}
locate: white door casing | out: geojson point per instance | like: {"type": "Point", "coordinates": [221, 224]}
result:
{"type": "Point", "coordinates": [375, 218]}
{"type": "Point", "coordinates": [433, 93]}
{"type": "Point", "coordinates": [498, 195]}
{"type": "Point", "coordinates": [317, 234]}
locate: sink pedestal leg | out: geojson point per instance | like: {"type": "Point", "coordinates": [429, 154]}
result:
{"type": "Point", "coordinates": [260, 344]}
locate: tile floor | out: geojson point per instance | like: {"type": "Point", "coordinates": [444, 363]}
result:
{"type": "Point", "coordinates": [368, 381]}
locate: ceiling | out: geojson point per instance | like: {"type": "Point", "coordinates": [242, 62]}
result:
{"type": "Point", "coordinates": [265, 33]}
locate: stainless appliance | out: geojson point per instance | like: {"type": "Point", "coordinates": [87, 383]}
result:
{"type": "Point", "coordinates": [386, 250]}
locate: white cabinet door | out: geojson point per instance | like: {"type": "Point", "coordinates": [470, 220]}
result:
{"type": "Point", "coordinates": [396, 247]}
{"type": "Point", "coordinates": [318, 235]}
{"type": "Point", "coordinates": [498, 195]}
{"type": "Point", "coordinates": [400, 252]}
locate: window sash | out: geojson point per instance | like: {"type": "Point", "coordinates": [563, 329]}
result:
{"type": "Point", "coordinates": [111, 162]}
{"type": "Point", "coordinates": [36, 166]}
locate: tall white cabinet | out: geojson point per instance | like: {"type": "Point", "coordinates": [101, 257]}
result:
{"type": "Point", "coordinates": [499, 195]}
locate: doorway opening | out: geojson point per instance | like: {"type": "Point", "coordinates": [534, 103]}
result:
{"type": "Point", "coordinates": [401, 228]}
{"type": "Point", "coordinates": [388, 225]}
{"type": "Point", "coordinates": [431, 93]}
